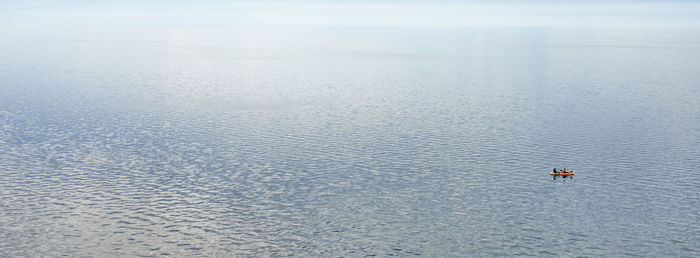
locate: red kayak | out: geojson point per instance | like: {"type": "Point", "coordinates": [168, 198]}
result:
{"type": "Point", "coordinates": [567, 173]}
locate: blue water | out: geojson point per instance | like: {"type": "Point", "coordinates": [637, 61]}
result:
{"type": "Point", "coordinates": [349, 141]}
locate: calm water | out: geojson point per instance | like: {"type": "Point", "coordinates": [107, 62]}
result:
{"type": "Point", "coordinates": [154, 141]}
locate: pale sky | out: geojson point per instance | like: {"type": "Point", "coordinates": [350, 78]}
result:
{"type": "Point", "coordinates": [354, 13]}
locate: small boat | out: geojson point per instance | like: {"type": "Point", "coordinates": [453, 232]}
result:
{"type": "Point", "coordinates": [568, 173]}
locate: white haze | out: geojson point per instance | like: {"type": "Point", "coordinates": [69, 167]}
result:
{"type": "Point", "coordinates": [347, 13]}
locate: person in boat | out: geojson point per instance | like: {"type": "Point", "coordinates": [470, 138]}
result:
{"type": "Point", "coordinates": [563, 170]}
{"type": "Point", "coordinates": [554, 170]}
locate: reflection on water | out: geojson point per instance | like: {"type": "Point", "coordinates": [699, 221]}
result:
{"type": "Point", "coordinates": [353, 142]}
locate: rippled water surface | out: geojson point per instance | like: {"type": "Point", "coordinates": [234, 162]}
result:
{"type": "Point", "coordinates": [349, 142]}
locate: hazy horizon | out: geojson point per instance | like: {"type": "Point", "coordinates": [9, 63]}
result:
{"type": "Point", "coordinates": [352, 13]}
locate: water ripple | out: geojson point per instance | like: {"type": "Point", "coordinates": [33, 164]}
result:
{"type": "Point", "coordinates": [351, 156]}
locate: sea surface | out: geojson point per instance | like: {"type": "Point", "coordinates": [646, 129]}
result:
{"type": "Point", "coordinates": [349, 141]}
